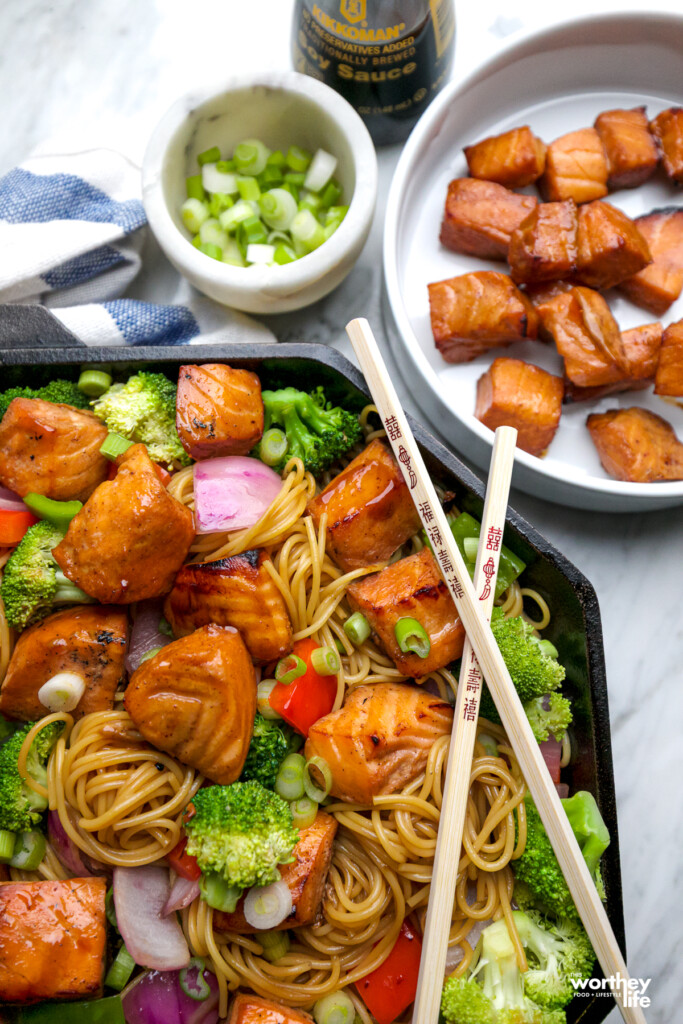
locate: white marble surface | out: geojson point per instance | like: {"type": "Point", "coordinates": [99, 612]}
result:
{"type": "Point", "coordinates": [86, 72]}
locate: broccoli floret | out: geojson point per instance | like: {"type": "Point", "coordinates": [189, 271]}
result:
{"type": "Point", "coordinates": [530, 661]}
{"type": "Point", "coordinates": [549, 715]}
{"type": "Point", "coordinates": [64, 391]}
{"type": "Point", "coordinates": [241, 832]}
{"type": "Point", "coordinates": [270, 744]}
{"type": "Point", "coordinates": [32, 583]}
{"type": "Point", "coordinates": [20, 806]}
{"type": "Point", "coordinates": [317, 432]}
{"type": "Point", "coordinates": [144, 410]}
{"type": "Point", "coordinates": [555, 959]}
{"type": "Point", "coordinates": [493, 991]}
{"type": "Point", "coordinates": [538, 868]}
{"type": "Point", "coordinates": [590, 830]}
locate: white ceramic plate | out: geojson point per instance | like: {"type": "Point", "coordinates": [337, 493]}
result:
{"type": "Point", "coordinates": [556, 81]}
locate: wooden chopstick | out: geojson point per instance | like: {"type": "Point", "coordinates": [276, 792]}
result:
{"type": "Point", "coordinates": [495, 672]}
{"type": "Point", "coordinates": [461, 750]}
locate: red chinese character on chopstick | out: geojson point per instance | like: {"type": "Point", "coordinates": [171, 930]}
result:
{"type": "Point", "coordinates": [493, 538]}
{"type": "Point", "coordinates": [470, 710]}
{"type": "Point", "coordinates": [425, 510]}
{"type": "Point", "coordinates": [404, 457]}
{"type": "Point", "coordinates": [392, 428]}
{"type": "Point", "coordinates": [489, 570]}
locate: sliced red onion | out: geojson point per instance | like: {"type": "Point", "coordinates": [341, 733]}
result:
{"type": "Point", "coordinates": [157, 997]}
{"type": "Point", "coordinates": [266, 906]}
{"type": "Point", "coordinates": [552, 755]}
{"type": "Point", "coordinates": [11, 502]}
{"type": "Point", "coordinates": [145, 635]}
{"type": "Point", "coordinates": [69, 854]}
{"type": "Point", "coordinates": [140, 895]}
{"type": "Point", "coordinates": [183, 892]}
{"type": "Point", "coordinates": [455, 953]}
{"type": "Point", "coordinates": [562, 790]}
{"type": "Point", "coordinates": [232, 492]}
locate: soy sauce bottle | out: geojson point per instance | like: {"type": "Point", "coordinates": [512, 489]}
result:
{"type": "Point", "coordinates": [388, 58]}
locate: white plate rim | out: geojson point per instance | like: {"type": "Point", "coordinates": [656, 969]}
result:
{"type": "Point", "coordinates": [652, 494]}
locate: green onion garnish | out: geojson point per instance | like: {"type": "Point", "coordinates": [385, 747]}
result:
{"type": "Point", "coordinates": [114, 445]}
{"type": "Point", "coordinates": [120, 971]}
{"type": "Point", "coordinates": [193, 213]}
{"type": "Point", "coordinates": [325, 661]}
{"type": "Point", "coordinates": [194, 187]}
{"type": "Point", "coordinates": [29, 850]}
{"type": "Point", "coordinates": [471, 546]}
{"type": "Point", "coordinates": [94, 383]}
{"type": "Point", "coordinates": [263, 692]}
{"type": "Point", "coordinates": [273, 446]}
{"type": "Point", "coordinates": [7, 841]}
{"type": "Point", "coordinates": [209, 156]}
{"type": "Point", "coordinates": [357, 628]}
{"type": "Point", "coordinates": [195, 986]}
{"type": "Point", "coordinates": [215, 891]}
{"type": "Point", "coordinates": [317, 779]}
{"type": "Point", "coordinates": [150, 654]}
{"type": "Point", "coordinates": [289, 782]}
{"type": "Point", "coordinates": [289, 668]}
{"type": "Point", "coordinates": [412, 637]}
{"type": "Point", "coordinates": [298, 159]}
{"type": "Point", "coordinates": [336, 1008]}
{"type": "Point", "coordinates": [303, 811]}
{"type": "Point", "coordinates": [275, 945]}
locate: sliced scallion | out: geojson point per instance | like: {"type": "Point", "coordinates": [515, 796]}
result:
{"type": "Point", "coordinates": [289, 668]}
{"type": "Point", "coordinates": [357, 628]}
{"type": "Point", "coordinates": [337, 1008]}
{"type": "Point", "coordinates": [150, 654]}
{"type": "Point", "coordinates": [235, 215]}
{"type": "Point", "coordinates": [29, 850]}
{"type": "Point", "coordinates": [289, 782]}
{"type": "Point", "coordinates": [471, 546]}
{"type": "Point", "coordinates": [211, 232]}
{"type": "Point", "coordinates": [62, 692]}
{"type": "Point", "coordinates": [7, 841]}
{"type": "Point", "coordinates": [317, 779]}
{"type": "Point", "coordinates": [210, 249]}
{"type": "Point", "coordinates": [260, 253]}
{"type": "Point", "coordinates": [322, 167]}
{"type": "Point", "coordinates": [192, 980]}
{"type": "Point", "coordinates": [307, 230]}
{"type": "Point", "coordinates": [250, 156]}
{"type": "Point", "coordinates": [278, 208]}
{"type": "Point", "coordinates": [194, 187]}
{"type": "Point", "coordinates": [273, 446]}
{"type": "Point", "coordinates": [218, 893]}
{"type": "Point", "coordinates": [263, 692]}
{"type": "Point", "coordinates": [298, 158]}
{"type": "Point", "coordinates": [94, 383]}
{"type": "Point", "coordinates": [209, 156]}
{"type": "Point", "coordinates": [193, 213]}
{"type": "Point", "coordinates": [219, 203]}
{"type": "Point", "coordinates": [275, 945]}
{"type": "Point", "coordinates": [114, 445]}
{"type": "Point", "coordinates": [216, 180]}
{"type": "Point", "coordinates": [325, 661]}
{"type": "Point", "coordinates": [303, 811]}
{"type": "Point", "coordinates": [412, 637]}
{"type": "Point", "coordinates": [120, 971]}
{"type": "Point", "coordinates": [248, 187]}
{"type": "Point", "coordinates": [284, 254]}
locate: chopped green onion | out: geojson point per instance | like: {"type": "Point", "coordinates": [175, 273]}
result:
{"type": "Point", "coordinates": [325, 661]}
{"type": "Point", "coordinates": [209, 249]}
{"type": "Point", "coordinates": [270, 177]}
{"type": "Point", "coordinates": [284, 254]}
{"type": "Point", "coordinates": [120, 971]}
{"type": "Point", "coordinates": [336, 1008]}
{"type": "Point", "coordinates": [212, 233]}
{"type": "Point", "coordinates": [303, 811]}
{"type": "Point", "coordinates": [295, 178]}
{"type": "Point", "coordinates": [289, 782]}
{"type": "Point", "coordinates": [323, 165]}
{"type": "Point", "coordinates": [263, 692]}
{"type": "Point", "coordinates": [273, 446]}
{"type": "Point", "coordinates": [150, 654]}
{"type": "Point", "coordinates": [94, 383]}
{"type": "Point", "coordinates": [357, 628]}
{"type": "Point", "coordinates": [412, 637]}
{"type": "Point", "coordinates": [331, 193]}
{"type": "Point", "coordinates": [298, 159]}
{"type": "Point", "coordinates": [336, 214]}
{"type": "Point", "coordinates": [275, 945]}
{"type": "Point", "coordinates": [251, 231]}
{"type": "Point", "coordinates": [193, 213]}
{"type": "Point", "coordinates": [310, 201]}
{"type": "Point", "coordinates": [278, 208]}
{"type": "Point", "coordinates": [215, 891]}
{"type": "Point", "coordinates": [114, 445]}
{"type": "Point", "coordinates": [196, 988]}
{"type": "Point", "coordinates": [471, 546]}
{"type": "Point", "coordinates": [165, 628]}
{"type": "Point", "coordinates": [219, 202]}
{"type": "Point", "coordinates": [7, 841]}
{"type": "Point", "coordinates": [194, 187]}
{"type": "Point", "coordinates": [232, 253]}
{"type": "Point", "coordinates": [59, 513]}
{"type": "Point", "coordinates": [216, 180]}
{"type": "Point", "coordinates": [248, 187]}
{"type": "Point", "coordinates": [29, 850]}
{"type": "Point", "coordinates": [276, 159]}
{"type": "Point", "coordinates": [488, 743]}
{"type": "Point", "coordinates": [250, 156]}
{"type": "Point", "coordinates": [317, 771]}
{"type": "Point", "coordinates": [288, 186]}
{"type": "Point", "coordinates": [62, 692]}
{"type": "Point", "coordinates": [259, 253]}
{"type": "Point", "coordinates": [339, 644]}
{"type": "Point", "coordinates": [289, 668]}
{"type": "Point", "coordinates": [110, 909]}
{"type": "Point", "coordinates": [209, 156]}
{"type": "Point", "coordinates": [307, 230]}
{"type": "Point", "coordinates": [235, 215]}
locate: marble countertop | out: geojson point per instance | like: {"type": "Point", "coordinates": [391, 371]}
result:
{"type": "Point", "coordinates": [95, 72]}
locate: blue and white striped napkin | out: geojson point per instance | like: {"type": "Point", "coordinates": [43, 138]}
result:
{"type": "Point", "coordinates": [72, 229]}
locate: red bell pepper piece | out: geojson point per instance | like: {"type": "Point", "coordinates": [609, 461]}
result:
{"type": "Point", "coordinates": [390, 988]}
{"type": "Point", "coordinates": [306, 699]}
{"type": "Point", "coordinates": [13, 525]}
{"type": "Point", "coordinates": [183, 863]}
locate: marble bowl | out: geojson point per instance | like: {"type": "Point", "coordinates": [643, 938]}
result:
{"type": "Point", "coordinates": [282, 109]}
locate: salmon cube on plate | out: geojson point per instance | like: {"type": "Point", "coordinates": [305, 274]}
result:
{"type": "Point", "coordinates": [544, 246]}
{"type": "Point", "coordinates": [480, 216]}
{"type": "Point", "coordinates": [515, 158]}
{"type": "Point", "coordinates": [517, 394]}
{"type": "Point", "coordinates": [610, 246]}
{"type": "Point", "coordinates": [667, 129]}
{"type": "Point", "coordinates": [629, 147]}
{"type": "Point", "coordinates": [669, 376]}
{"type": "Point", "coordinates": [636, 445]}
{"type": "Point", "coordinates": [658, 285]}
{"type": "Point", "coordinates": [575, 168]}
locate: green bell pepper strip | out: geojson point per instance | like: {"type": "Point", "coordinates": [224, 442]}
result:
{"type": "Point", "coordinates": [466, 526]}
{"type": "Point", "coordinates": [59, 513]}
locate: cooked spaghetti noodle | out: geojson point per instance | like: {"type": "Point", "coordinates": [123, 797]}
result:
{"type": "Point", "coordinates": [121, 801]}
